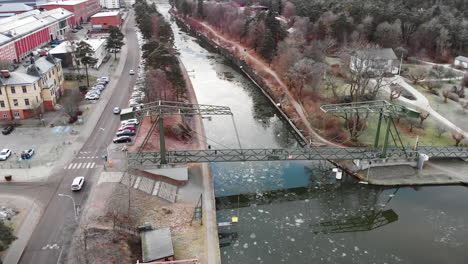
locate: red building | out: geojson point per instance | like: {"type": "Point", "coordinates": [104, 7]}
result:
{"type": "Point", "coordinates": [83, 9]}
{"type": "Point", "coordinates": [23, 33]}
{"type": "Point", "coordinates": [103, 20]}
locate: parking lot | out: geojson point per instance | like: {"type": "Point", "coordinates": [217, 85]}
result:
{"type": "Point", "coordinates": [47, 142]}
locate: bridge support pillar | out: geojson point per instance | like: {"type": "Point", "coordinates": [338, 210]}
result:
{"type": "Point", "coordinates": [421, 160]}
{"type": "Point", "coordinates": [377, 135]}
{"type": "Point", "coordinates": [387, 133]}
{"type": "Point", "coordinates": [162, 141]}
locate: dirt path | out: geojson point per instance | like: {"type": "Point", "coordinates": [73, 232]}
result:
{"type": "Point", "coordinates": [259, 64]}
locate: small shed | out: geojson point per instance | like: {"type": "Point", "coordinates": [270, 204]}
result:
{"type": "Point", "coordinates": [461, 61]}
{"type": "Point", "coordinates": [156, 245]}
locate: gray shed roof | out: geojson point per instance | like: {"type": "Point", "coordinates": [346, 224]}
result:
{"type": "Point", "coordinates": [461, 58]}
{"type": "Point", "coordinates": [386, 54]}
{"type": "Point", "coordinates": [156, 244]}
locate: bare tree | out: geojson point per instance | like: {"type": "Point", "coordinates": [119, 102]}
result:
{"type": "Point", "coordinates": [440, 130]}
{"type": "Point", "coordinates": [458, 137]}
{"type": "Point", "coordinates": [305, 72]}
{"type": "Point", "coordinates": [395, 91]}
{"type": "Point", "coordinates": [417, 74]}
{"type": "Point", "coordinates": [423, 115]}
{"type": "Point", "coordinates": [446, 95]}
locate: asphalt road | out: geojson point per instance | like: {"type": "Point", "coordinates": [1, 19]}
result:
{"type": "Point", "coordinates": [48, 243]}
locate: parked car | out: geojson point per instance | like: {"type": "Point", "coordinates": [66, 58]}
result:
{"type": "Point", "coordinates": [132, 121]}
{"type": "Point", "coordinates": [27, 154]}
{"type": "Point", "coordinates": [105, 79]}
{"type": "Point", "coordinates": [123, 139]}
{"type": "Point", "coordinates": [117, 110]}
{"type": "Point", "coordinates": [100, 87]}
{"type": "Point", "coordinates": [95, 91]}
{"type": "Point", "coordinates": [122, 128]}
{"type": "Point", "coordinates": [92, 96]}
{"type": "Point", "coordinates": [7, 130]}
{"type": "Point", "coordinates": [126, 132]}
{"type": "Point", "coordinates": [77, 183]}
{"type": "Point", "coordinates": [5, 154]}
{"type": "Point", "coordinates": [75, 30]}
{"type": "Point", "coordinates": [132, 72]}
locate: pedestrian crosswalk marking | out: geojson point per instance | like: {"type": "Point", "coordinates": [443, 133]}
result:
{"type": "Point", "coordinates": [80, 165]}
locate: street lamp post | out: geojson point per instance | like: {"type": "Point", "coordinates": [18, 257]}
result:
{"type": "Point", "coordinates": [74, 205]}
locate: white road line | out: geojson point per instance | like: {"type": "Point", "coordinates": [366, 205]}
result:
{"type": "Point", "coordinates": [92, 165]}
{"type": "Point", "coordinates": [74, 165]}
{"type": "Point", "coordinates": [79, 165]}
{"type": "Point", "coordinates": [69, 166]}
{"type": "Point", "coordinates": [88, 165]}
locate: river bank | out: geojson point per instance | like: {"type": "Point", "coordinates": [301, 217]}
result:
{"type": "Point", "coordinates": [265, 79]}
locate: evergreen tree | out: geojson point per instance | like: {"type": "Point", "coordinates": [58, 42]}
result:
{"type": "Point", "coordinates": [274, 27]}
{"type": "Point", "coordinates": [200, 9]}
{"type": "Point", "coordinates": [6, 236]}
{"type": "Point", "coordinates": [115, 40]}
{"type": "Point", "coordinates": [85, 54]}
{"type": "Point", "coordinates": [268, 46]}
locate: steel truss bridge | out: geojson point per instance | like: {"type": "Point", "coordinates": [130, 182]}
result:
{"type": "Point", "coordinates": [385, 110]}
{"type": "Point", "coordinates": [239, 155]}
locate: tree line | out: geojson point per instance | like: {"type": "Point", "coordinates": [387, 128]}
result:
{"type": "Point", "coordinates": [165, 80]}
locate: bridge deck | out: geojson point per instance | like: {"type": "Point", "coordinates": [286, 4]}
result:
{"type": "Point", "coordinates": [235, 155]}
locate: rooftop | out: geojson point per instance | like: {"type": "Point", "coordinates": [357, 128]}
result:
{"type": "Point", "coordinates": [461, 58]}
{"type": "Point", "coordinates": [14, 7]}
{"type": "Point", "coordinates": [68, 2]}
{"type": "Point", "coordinates": [106, 14]}
{"type": "Point", "coordinates": [65, 46]}
{"type": "Point", "coordinates": [156, 244]}
{"type": "Point", "coordinates": [23, 24]}
{"type": "Point", "coordinates": [31, 73]}
{"type": "Point", "coordinates": [386, 54]}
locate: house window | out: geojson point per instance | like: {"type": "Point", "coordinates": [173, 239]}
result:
{"type": "Point", "coordinates": [13, 90]}
{"type": "Point", "coordinates": [50, 75]}
{"type": "Point", "coordinates": [37, 100]}
{"type": "Point", "coordinates": [16, 114]}
{"type": "Point", "coordinates": [5, 116]}
{"type": "Point", "coordinates": [34, 87]}
{"type": "Point", "coordinates": [15, 102]}
{"type": "Point", "coordinates": [2, 103]}
{"type": "Point", "coordinates": [26, 101]}
{"type": "Point", "coordinates": [25, 90]}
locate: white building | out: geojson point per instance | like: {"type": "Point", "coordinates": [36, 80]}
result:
{"type": "Point", "coordinates": [110, 4]}
{"type": "Point", "coordinates": [461, 62]}
{"type": "Point", "coordinates": [377, 61]}
{"type": "Point", "coordinates": [64, 51]}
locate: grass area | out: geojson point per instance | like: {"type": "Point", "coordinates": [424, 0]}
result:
{"type": "Point", "coordinates": [428, 135]}
{"type": "Point", "coordinates": [71, 84]}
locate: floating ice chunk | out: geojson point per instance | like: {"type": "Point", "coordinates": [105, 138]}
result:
{"type": "Point", "coordinates": [255, 242]}
{"type": "Point", "coordinates": [292, 239]}
{"type": "Point", "coordinates": [260, 210]}
{"type": "Point", "coordinates": [299, 221]}
{"type": "Point", "coordinates": [365, 251]}
{"type": "Point", "coordinates": [343, 254]}
{"type": "Point", "coordinates": [334, 250]}
{"type": "Point", "coordinates": [330, 240]}
{"type": "Point", "coordinates": [392, 195]}
{"type": "Point", "coordinates": [246, 245]}
{"type": "Point", "coordinates": [356, 248]}
{"type": "Point", "coordinates": [253, 236]}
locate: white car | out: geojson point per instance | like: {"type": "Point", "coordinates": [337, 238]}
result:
{"type": "Point", "coordinates": [133, 121]}
{"type": "Point", "coordinates": [92, 96]}
{"type": "Point", "coordinates": [5, 154]}
{"type": "Point", "coordinates": [117, 110]}
{"type": "Point", "coordinates": [100, 87]}
{"type": "Point", "coordinates": [77, 183]}
{"type": "Point", "coordinates": [132, 72]}
{"type": "Point", "coordinates": [105, 79]}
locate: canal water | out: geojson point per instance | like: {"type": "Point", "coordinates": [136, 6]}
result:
{"type": "Point", "coordinates": [296, 212]}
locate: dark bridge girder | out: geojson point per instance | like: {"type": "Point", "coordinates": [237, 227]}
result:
{"type": "Point", "coordinates": [236, 155]}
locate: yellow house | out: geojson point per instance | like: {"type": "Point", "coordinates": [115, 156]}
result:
{"type": "Point", "coordinates": [30, 90]}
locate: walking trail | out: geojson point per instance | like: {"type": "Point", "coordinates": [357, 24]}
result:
{"type": "Point", "coordinates": [421, 102]}
{"type": "Point", "coordinates": [259, 64]}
